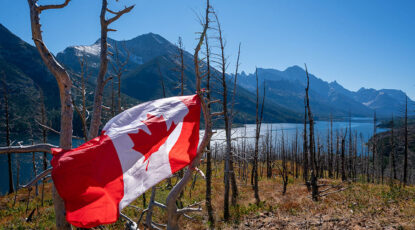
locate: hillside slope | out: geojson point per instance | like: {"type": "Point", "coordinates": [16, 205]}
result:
{"type": "Point", "coordinates": [26, 77]}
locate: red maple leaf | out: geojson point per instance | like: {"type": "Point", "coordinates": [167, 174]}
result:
{"type": "Point", "coordinates": [148, 144]}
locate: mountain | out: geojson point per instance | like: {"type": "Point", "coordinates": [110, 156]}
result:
{"type": "Point", "coordinates": [30, 85]}
{"type": "Point", "coordinates": [138, 51]}
{"type": "Point", "coordinates": [25, 76]}
{"type": "Point", "coordinates": [151, 60]}
{"type": "Point", "coordinates": [287, 88]}
{"type": "Point", "coordinates": [384, 101]}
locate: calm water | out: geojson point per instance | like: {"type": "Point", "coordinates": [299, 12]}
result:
{"type": "Point", "coordinates": [26, 165]}
{"type": "Point", "coordinates": [363, 127]}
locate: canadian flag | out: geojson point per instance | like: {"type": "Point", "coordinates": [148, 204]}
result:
{"type": "Point", "coordinates": [137, 149]}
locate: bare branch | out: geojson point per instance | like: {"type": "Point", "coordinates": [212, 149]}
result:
{"type": "Point", "coordinates": [217, 114]}
{"type": "Point", "coordinates": [112, 12]}
{"type": "Point", "coordinates": [160, 205]}
{"type": "Point", "coordinates": [194, 204]}
{"type": "Point", "coordinates": [36, 179]}
{"type": "Point", "coordinates": [118, 14]}
{"type": "Point", "coordinates": [214, 101]}
{"type": "Point", "coordinates": [185, 210]}
{"type": "Point", "coordinates": [188, 217]}
{"type": "Point", "coordinates": [158, 225]}
{"type": "Point", "coordinates": [28, 148]}
{"type": "Point", "coordinates": [56, 131]}
{"type": "Point", "coordinates": [133, 206]}
{"type": "Point", "coordinates": [201, 173]}
{"type": "Point", "coordinates": [153, 226]}
{"type": "Point", "coordinates": [107, 80]}
{"type": "Point", "coordinates": [131, 223]}
{"type": "Point", "coordinates": [48, 7]}
{"type": "Point", "coordinates": [47, 127]}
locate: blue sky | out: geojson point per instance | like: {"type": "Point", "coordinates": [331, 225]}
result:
{"type": "Point", "coordinates": [359, 43]}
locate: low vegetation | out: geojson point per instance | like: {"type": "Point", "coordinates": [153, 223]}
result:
{"type": "Point", "coordinates": [359, 205]}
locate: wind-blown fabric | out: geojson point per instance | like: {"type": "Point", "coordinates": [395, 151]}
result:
{"type": "Point", "coordinates": [137, 149]}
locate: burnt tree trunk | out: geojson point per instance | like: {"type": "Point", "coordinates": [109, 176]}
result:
{"type": "Point", "coordinates": [181, 69]}
{"type": "Point", "coordinates": [208, 152]}
{"type": "Point", "coordinates": [65, 86]}
{"type": "Point", "coordinates": [392, 156]}
{"type": "Point", "coordinates": [228, 154]}
{"type": "Point", "coordinates": [374, 150]}
{"type": "Point", "coordinates": [405, 162]}
{"type": "Point", "coordinates": [101, 80]}
{"type": "Point", "coordinates": [343, 170]}
{"type": "Point", "coordinates": [7, 121]}
{"type": "Point", "coordinates": [314, 187]}
{"type": "Point", "coordinates": [44, 136]}
{"type": "Point", "coordinates": [257, 133]}
{"type": "Point", "coordinates": [330, 149]}
{"type": "Point", "coordinates": [172, 213]}
{"type": "Point", "coordinates": [233, 177]}
{"type": "Point", "coordinates": [305, 150]}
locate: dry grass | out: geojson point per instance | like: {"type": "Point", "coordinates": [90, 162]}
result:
{"type": "Point", "coordinates": [360, 206]}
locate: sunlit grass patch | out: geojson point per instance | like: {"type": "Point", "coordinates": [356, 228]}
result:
{"type": "Point", "coordinates": [361, 204]}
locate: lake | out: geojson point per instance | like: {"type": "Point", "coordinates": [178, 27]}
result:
{"type": "Point", "coordinates": [26, 165]}
{"type": "Point", "coordinates": [363, 126]}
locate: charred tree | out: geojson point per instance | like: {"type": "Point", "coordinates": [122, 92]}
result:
{"type": "Point", "coordinates": [102, 80]}
{"type": "Point", "coordinates": [337, 154]}
{"type": "Point", "coordinates": [226, 117]}
{"type": "Point", "coordinates": [65, 86]}
{"type": "Point", "coordinates": [44, 139]}
{"type": "Point", "coordinates": [314, 187]}
{"type": "Point", "coordinates": [284, 168]}
{"type": "Point", "coordinates": [82, 109]}
{"type": "Point", "coordinates": [296, 157]}
{"type": "Point", "coordinates": [258, 122]}
{"type": "Point", "coordinates": [173, 214]}
{"type": "Point", "coordinates": [268, 152]}
{"type": "Point", "coordinates": [7, 131]}
{"type": "Point", "coordinates": [374, 150]}
{"type": "Point", "coordinates": [163, 88]}
{"type": "Point", "coordinates": [392, 166]}
{"type": "Point", "coordinates": [180, 50]}
{"type": "Point", "coordinates": [354, 161]}
{"type": "Point", "coordinates": [232, 113]}
{"type": "Point", "coordinates": [350, 152]}
{"type": "Point", "coordinates": [208, 151]}
{"type": "Point", "coordinates": [343, 158]}
{"type": "Point", "coordinates": [119, 68]}
{"type": "Point", "coordinates": [330, 147]}
{"type": "Point", "coordinates": [305, 149]}
{"type": "Point", "coordinates": [405, 161]}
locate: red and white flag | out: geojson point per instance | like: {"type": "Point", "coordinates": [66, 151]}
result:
{"type": "Point", "coordinates": [137, 149]}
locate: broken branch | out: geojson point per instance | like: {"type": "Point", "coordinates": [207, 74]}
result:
{"type": "Point", "coordinates": [28, 148]}
{"type": "Point", "coordinates": [36, 179]}
{"type": "Point", "coordinates": [48, 7]}
{"type": "Point", "coordinates": [118, 14]}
